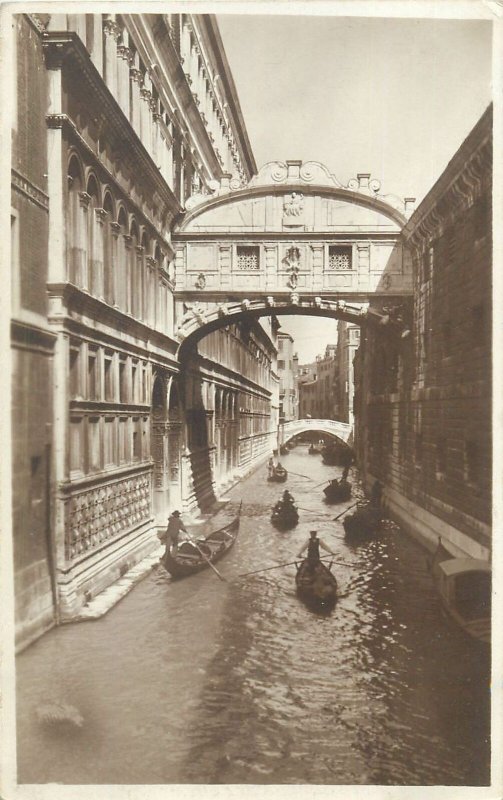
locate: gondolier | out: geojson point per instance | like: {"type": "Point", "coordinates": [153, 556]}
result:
{"type": "Point", "coordinates": [175, 525]}
{"type": "Point", "coordinates": [312, 546]}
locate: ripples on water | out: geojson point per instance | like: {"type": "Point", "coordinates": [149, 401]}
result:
{"type": "Point", "coordinates": [197, 681]}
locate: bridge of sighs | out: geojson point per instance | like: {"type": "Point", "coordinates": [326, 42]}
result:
{"type": "Point", "coordinates": [292, 241]}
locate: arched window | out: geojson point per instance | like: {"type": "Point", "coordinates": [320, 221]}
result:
{"type": "Point", "coordinates": [109, 254]}
{"type": "Point", "coordinates": [76, 224]}
{"type": "Point", "coordinates": [94, 240]}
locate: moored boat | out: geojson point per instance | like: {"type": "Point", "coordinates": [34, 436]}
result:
{"type": "Point", "coordinates": [194, 557]}
{"type": "Point", "coordinates": [363, 524]}
{"type": "Point", "coordinates": [464, 587]}
{"type": "Point", "coordinates": [337, 491]}
{"type": "Point", "coordinates": [316, 586]}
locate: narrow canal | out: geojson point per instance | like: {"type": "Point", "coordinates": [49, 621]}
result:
{"type": "Point", "coordinates": [199, 681]}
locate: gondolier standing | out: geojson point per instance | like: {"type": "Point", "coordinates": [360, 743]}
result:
{"type": "Point", "coordinates": [175, 525]}
{"type": "Point", "coordinates": [312, 546]}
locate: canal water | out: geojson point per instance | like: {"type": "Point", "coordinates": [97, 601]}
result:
{"type": "Point", "coordinates": [200, 681]}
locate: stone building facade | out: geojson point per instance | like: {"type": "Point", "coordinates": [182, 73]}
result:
{"type": "Point", "coordinates": [287, 372]}
{"type": "Point", "coordinates": [423, 399]}
{"type": "Point", "coordinates": [32, 342]}
{"type": "Point", "coordinates": [317, 383]}
{"type": "Point", "coordinates": [119, 119]}
{"type": "Point", "coordinates": [348, 341]}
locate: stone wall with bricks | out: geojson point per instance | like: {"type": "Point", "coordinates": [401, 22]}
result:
{"type": "Point", "coordinates": [424, 399]}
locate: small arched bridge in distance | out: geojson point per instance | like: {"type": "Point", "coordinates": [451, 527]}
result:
{"type": "Point", "coordinates": [338, 430]}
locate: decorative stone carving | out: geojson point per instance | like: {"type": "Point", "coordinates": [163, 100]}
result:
{"type": "Point", "coordinates": [200, 282]}
{"type": "Point", "coordinates": [100, 513]}
{"type": "Point", "coordinates": [292, 259]}
{"type": "Point", "coordinates": [294, 299]}
{"type": "Point", "coordinates": [293, 209]}
{"type": "Point", "coordinates": [245, 305]}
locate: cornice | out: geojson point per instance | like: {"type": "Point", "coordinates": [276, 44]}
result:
{"type": "Point", "coordinates": [76, 299]}
{"type": "Point", "coordinates": [466, 176]}
{"type": "Point", "coordinates": [174, 90]}
{"type": "Point", "coordinates": [64, 50]}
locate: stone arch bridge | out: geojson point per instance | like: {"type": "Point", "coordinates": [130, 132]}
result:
{"type": "Point", "coordinates": [342, 431]}
{"type": "Point", "coordinates": [294, 240]}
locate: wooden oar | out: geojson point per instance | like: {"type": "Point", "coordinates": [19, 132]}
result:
{"type": "Point", "coordinates": [191, 540]}
{"type": "Point", "coordinates": [298, 475]}
{"type": "Point", "coordinates": [288, 564]}
{"type": "Point", "coordinates": [321, 484]}
{"type": "Point", "coordinates": [346, 509]}
{"type": "Point", "coordinates": [309, 509]}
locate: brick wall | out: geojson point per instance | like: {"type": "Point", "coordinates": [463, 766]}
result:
{"type": "Point", "coordinates": [424, 401]}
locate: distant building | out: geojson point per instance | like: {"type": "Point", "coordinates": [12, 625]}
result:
{"type": "Point", "coordinates": [287, 370]}
{"type": "Point", "coordinates": [316, 386]}
{"type": "Point", "coordinates": [348, 341]}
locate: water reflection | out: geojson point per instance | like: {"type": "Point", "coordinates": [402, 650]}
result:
{"type": "Point", "coordinates": [202, 682]}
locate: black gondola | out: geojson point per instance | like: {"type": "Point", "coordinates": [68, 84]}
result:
{"type": "Point", "coordinates": [364, 523]}
{"type": "Point", "coordinates": [278, 474]}
{"type": "Point", "coordinates": [337, 491]}
{"type": "Point", "coordinates": [190, 559]}
{"type": "Point", "coordinates": [316, 585]}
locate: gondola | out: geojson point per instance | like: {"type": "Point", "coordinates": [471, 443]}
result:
{"type": "Point", "coordinates": [337, 491]}
{"type": "Point", "coordinates": [318, 587]}
{"type": "Point", "coordinates": [278, 474]}
{"type": "Point", "coordinates": [285, 518]}
{"type": "Point", "coordinates": [331, 456]}
{"type": "Point", "coordinates": [215, 545]}
{"type": "Point", "coordinates": [363, 524]}
{"type": "Point", "coordinates": [464, 586]}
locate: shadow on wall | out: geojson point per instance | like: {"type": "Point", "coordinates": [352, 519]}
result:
{"type": "Point", "coordinates": [198, 420]}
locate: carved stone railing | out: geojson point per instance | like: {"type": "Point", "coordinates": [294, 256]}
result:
{"type": "Point", "coordinates": [98, 513]}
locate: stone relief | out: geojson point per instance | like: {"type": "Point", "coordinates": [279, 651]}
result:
{"type": "Point", "coordinates": [293, 205]}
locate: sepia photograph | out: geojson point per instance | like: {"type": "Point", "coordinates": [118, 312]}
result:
{"type": "Point", "coordinates": [247, 494]}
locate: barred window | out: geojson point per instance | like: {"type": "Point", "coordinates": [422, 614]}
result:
{"type": "Point", "coordinates": [340, 258]}
{"type": "Point", "coordinates": [248, 257]}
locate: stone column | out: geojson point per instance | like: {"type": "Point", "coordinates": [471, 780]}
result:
{"type": "Point", "coordinates": [136, 101]}
{"type": "Point", "coordinates": [84, 239]}
{"type": "Point", "coordinates": [138, 283]}
{"type": "Point", "coordinates": [97, 44]}
{"type": "Point", "coordinates": [100, 216]}
{"type": "Point", "coordinates": [124, 59]}
{"type": "Point", "coordinates": [145, 118]}
{"type": "Point", "coordinates": [111, 31]}
{"type": "Point", "coordinates": [115, 228]}
{"type": "Point", "coordinates": [317, 259]}
{"type": "Point", "coordinates": [129, 271]}
{"type": "Point", "coordinates": [363, 265]}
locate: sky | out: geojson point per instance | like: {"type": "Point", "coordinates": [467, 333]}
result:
{"type": "Point", "coordinates": [393, 97]}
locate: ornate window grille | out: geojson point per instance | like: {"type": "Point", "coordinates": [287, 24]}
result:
{"type": "Point", "coordinates": [340, 258]}
{"type": "Point", "coordinates": [248, 258]}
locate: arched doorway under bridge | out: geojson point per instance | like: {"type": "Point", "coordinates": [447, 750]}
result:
{"type": "Point", "coordinates": [166, 445]}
